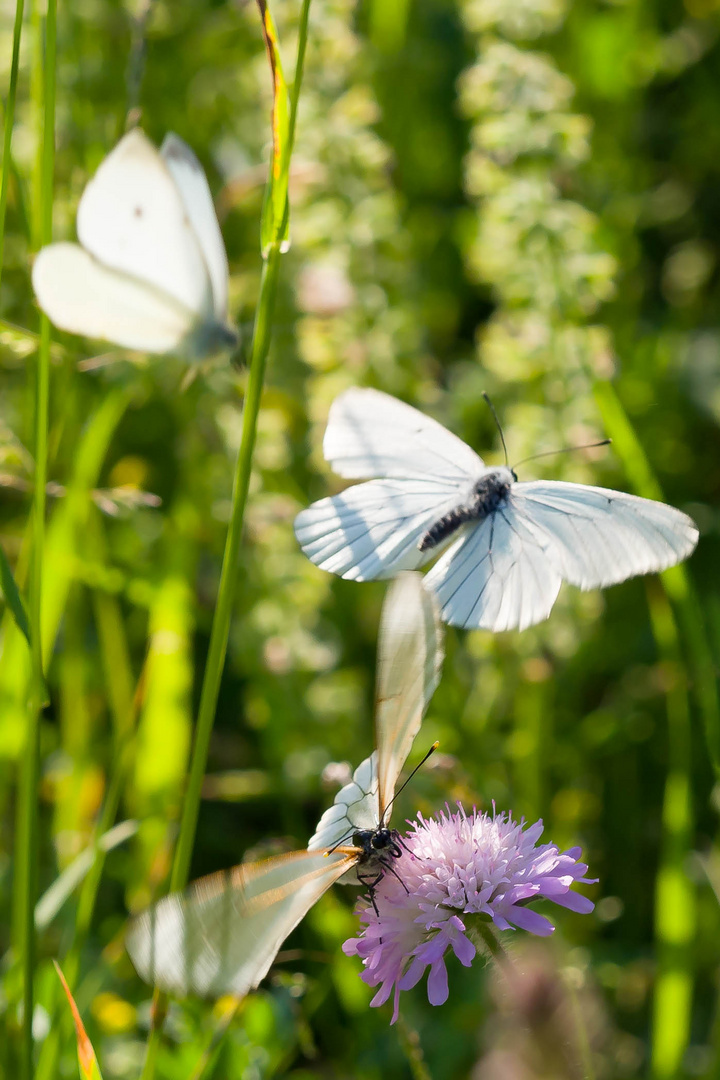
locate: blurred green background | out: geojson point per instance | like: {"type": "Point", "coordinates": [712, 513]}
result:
{"type": "Point", "coordinates": [517, 196]}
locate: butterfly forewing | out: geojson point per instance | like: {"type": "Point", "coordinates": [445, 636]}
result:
{"type": "Point", "coordinates": [191, 182]}
{"type": "Point", "coordinates": [222, 935]}
{"type": "Point", "coordinates": [410, 652]}
{"type": "Point", "coordinates": [132, 219]}
{"type": "Point", "coordinates": [372, 530]}
{"type": "Point", "coordinates": [372, 434]}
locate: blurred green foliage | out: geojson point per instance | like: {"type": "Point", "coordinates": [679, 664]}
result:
{"type": "Point", "coordinates": [513, 197]}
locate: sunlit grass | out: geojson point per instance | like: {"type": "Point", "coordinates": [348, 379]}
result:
{"type": "Point", "coordinates": [28, 805]}
{"type": "Point", "coordinates": [9, 121]}
{"type": "Point", "coordinates": [277, 211]}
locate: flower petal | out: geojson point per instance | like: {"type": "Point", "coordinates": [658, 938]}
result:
{"type": "Point", "coordinates": [531, 921]}
{"type": "Point", "coordinates": [437, 984]}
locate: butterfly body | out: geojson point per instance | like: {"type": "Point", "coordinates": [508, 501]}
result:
{"type": "Point", "coordinates": [486, 495]}
{"type": "Point", "coordinates": [376, 845]}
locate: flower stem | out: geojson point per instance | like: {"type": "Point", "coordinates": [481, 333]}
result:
{"type": "Point", "coordinates": [483, 937]}
{"type": "Point", "coordinates": [27, 824]}
{"type": "Point", "coordinates": [410, 1043]}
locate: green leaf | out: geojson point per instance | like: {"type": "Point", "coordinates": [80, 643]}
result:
{"type": "Point", "coordinates": [12, 596]}
{"type": "Point", "coordinates": [275, 223]}
{"type": "Point", "coordinates": [63, 887]}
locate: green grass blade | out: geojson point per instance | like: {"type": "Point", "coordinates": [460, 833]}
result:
{"type": "Point", "coordinates": [27, 819]}
{"type": "Point", "coordinates": [9, 123]}
{"type": "Point", "coordinates": [675, 905]}
{"type": "Point", "coordinates": [53, 899]}
{"type": "Point", "coordinates": [274, 224]}
{"type": "Point", "coordinates": [12, 596]}
{"type": "Point", "coordinates": [89, 1068]}
{"type": "Point", "coordinates": [262, 332]}
{"type": "Point", "coordinates": [677, 581]}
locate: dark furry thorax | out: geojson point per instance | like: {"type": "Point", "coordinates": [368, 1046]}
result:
{"type": "Point", "coordinates": [485, 496]}
{"type": "Point", "coordinates": [376, 844]}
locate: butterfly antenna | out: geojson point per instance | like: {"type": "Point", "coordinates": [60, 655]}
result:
{"type": "Point", "coordinates": [340, 842]}
{"type": "Point", "coordinates": [491, 407]}
{"type": "Point", "coordinates": [563, 450]}
{"type": "Point", "coordinates": [405, 783]}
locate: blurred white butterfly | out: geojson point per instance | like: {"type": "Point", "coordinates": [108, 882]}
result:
{"type": "Point", "coordinates": [222, 935]}
{"type": "Point", "coordinates": [152, 272]}
{"type": "Point", "coordinates": [511, 544]}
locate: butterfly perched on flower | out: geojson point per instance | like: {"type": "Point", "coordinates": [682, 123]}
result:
{"type": "Point", "coordinates": [506, 545]}
{"type": "Point", "coordinates": [150, 271]}
{"type": "Point", "coordinates": [222, 935]}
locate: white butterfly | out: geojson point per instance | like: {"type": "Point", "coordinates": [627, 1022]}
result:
{"type": "Point", "coordinates": [511, 544]}
{"type": "Point", "coordinates": [152, 272]}
{"type": "Point", "coordinates": [222, 935]}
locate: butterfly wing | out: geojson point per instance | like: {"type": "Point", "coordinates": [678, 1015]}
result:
{"type": "Point", "coordinates": [599, 537]}
{"type": "Point", "coordinates": [79, 294]}
{"type": "Point", "coordinates": [355, 807]}
{"type": "Point", "coordinates": [410, 653]}
{"type": "Point", "coordinates": [188, 174]}
{"type": "Point", "coordinates": [132, 219]}
{"type": "Point", "coordinates": [371, 434]}
{"type": "Point", "coordinates": [372, 530]}
{"type": "Point", "coordinates": [222, 935]}
{"type": "Point", "coordinates": [497, 575]}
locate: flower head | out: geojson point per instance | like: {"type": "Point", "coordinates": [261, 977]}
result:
{"type": "Point", "coordinates": [484, 866]}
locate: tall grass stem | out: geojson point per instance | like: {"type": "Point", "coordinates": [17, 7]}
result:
{"type": "Point", "coordinates": [262, 333]}
{"type": "Point", "coordinates": [28, 811]}
{"type": "Point", "coordinates": [10, 122]}
{"type": "Point", "coordinates": [228, 575]}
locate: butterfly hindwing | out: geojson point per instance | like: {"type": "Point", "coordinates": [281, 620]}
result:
{"type": "Point", "coordinates": [223, 933]}
{"type": "Point", "coordinates": [598, 537]}
{"type": "Point", "coordinates": [355, 807]}
{"type": "Point", "coordinates": [82, 296]}
{"type": "Point", "coordinates": [497, 575]}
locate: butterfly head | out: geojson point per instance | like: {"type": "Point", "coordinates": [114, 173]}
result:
{"type": "Point", "coordinates": [376, 842]}
{"type": "Point", "coordinates": [208, 338]}
{"type": "Point", "coordinates": [488, 493]}
{"type": "Point", "coordinates": [502, 476]}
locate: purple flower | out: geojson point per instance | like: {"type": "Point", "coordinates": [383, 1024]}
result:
{"type": "Point", "coordinates": [484, 867]}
